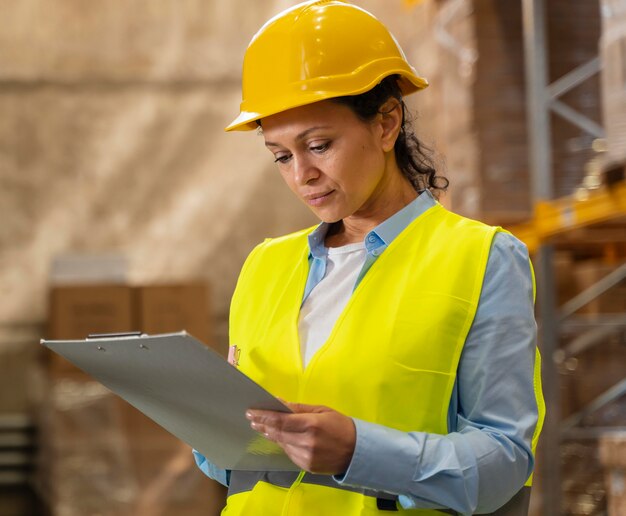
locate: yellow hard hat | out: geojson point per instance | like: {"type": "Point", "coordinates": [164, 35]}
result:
{"type": "Point", "coordinates": [318, 50]}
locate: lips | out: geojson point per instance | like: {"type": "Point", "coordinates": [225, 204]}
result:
{"type": "Point", "coordinates": [316, 199]}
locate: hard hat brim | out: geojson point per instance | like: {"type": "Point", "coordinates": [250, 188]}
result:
{"type": "Point", "coordinates": [248, 120]}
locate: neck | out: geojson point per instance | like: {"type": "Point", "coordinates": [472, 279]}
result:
{"type": "Point", "coordinates": [388, 201]}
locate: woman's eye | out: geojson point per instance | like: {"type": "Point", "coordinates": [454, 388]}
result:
{"type": "Point", "coordinates": [322, 147]}
{"type": "Point", "coordinates": [284, 158]}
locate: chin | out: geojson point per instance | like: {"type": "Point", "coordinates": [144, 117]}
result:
{"type": "Point", "coordinates": [331, 212]}
{"type": "Point", "coordinates": [329, 218]}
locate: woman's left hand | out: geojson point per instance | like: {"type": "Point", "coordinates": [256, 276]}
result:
{"type": "Point", "coordinates": [318, 439]}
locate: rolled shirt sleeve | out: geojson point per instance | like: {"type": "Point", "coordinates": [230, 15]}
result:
{"type": "Point", "coordinates": [486, 458]}
{"type": "Point", "coordinates": [211, 470]}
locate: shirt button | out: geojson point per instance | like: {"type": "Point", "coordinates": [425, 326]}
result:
{"type": "Point", "coordinates": [376, 252]}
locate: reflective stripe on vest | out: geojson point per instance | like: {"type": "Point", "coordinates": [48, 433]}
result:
{"type": "Point", "coordinates": [393, 353]}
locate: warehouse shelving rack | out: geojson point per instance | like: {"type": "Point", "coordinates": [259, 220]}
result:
{"type": "Point", "coordinates": [599, 214]}
{"type": "Point", "coordinates": [565, 217]}
{"type": "Point", "coordinates": [18, 436]}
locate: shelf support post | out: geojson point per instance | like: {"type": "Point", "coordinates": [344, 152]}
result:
{"type": "Point", "coordinates": [539, 139]}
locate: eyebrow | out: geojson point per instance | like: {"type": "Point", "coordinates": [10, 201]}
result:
{"type": "Point", "coordinates": [300, 136]}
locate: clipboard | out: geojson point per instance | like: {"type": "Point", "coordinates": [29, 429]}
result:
{"type": "Point", "coordinates": [188, 389]}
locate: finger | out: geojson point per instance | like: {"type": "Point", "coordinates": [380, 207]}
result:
{"type": "Point", "coordinates": [275, 434]}
{"type": "Point", "coordinates": [270, 424]}
{"type": "Point", "coordinates": [292, 429]}
{"type": "Point", "coordinates": [283, 421]}
{"type": "Point", "coordinates": [266, 417]}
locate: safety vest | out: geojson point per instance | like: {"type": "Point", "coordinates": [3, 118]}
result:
{"type": "Point", "coordinates": [391, 357]}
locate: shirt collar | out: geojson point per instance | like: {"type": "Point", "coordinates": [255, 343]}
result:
{"type": "Point", "coordinates": [377, 240]}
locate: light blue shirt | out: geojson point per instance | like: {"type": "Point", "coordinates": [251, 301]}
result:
{"type": "Point", "coordinates": [486, 457]}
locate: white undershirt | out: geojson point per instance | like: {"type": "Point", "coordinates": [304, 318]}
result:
{"type": "Point", "coordinates": [329, 297]}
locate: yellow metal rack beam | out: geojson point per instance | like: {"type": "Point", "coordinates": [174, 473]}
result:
{"type": "Point", "coordinates": [552, 218]}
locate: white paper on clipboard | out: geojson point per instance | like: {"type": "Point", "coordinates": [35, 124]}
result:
{"type": "Point", "coordinates": [188, 389]}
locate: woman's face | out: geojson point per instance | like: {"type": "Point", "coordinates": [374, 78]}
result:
{"type": "Point", "coordinates": [332, 160]}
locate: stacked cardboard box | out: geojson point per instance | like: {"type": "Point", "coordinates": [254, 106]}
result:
{"type": "Point", "coordinates": [475, 108]}
{"type": "Point", "coordinates": [167, 308]}
{"type": "Point", "coordinates": [99, 454]}
{"type": "Point", "coordinates": [573, 30]}
{"type": "Point", "coordinates": [613, 54]}
{"type": "Point", "coordinates": [499, 113]}
{"type": "Point", "coordinates": [613, 458]}
{"type": "Point", "coordinates": [76, 311]}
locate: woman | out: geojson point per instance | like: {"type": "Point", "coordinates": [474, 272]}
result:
{"type": "Point", "coordinates": [402, 334]}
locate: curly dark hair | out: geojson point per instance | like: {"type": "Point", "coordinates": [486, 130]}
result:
{"type": "Point", "coordinates": [413, 157]}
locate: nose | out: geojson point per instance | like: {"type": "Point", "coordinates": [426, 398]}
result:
{"type": "Point", "coordinates": [304, 170]}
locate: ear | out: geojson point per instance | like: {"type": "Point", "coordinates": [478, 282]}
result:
{"type": "Point", "coordinates": [391, 123]}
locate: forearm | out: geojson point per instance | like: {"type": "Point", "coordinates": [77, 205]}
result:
{"type": "Point", "coordinates": [434, 471]}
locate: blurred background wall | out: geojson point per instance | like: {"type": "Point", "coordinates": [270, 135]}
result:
{"type": "Point", "coordinates": [111, 131]}
{"type": "Point", "coordinates": [112, 141]}
{"type": "Point", "coordinates": [112, 144]}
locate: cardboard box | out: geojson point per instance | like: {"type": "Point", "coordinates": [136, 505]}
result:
{"type": "Point", "coordinates": [171, 308]}
{"type": "Point", "coordinates": [79, 310]}
{"type": "Point", "coordinates": [613, 458]}
{"type": "Point", "coordinates": [100, 456]}
{"type": "Point", "coordinates": [476, 114]}
{"type": "Point", "coordinates": [613, 79]}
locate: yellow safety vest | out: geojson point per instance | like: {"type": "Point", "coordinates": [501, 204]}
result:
{"type": "Point", "coordinates": [391, 357]}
